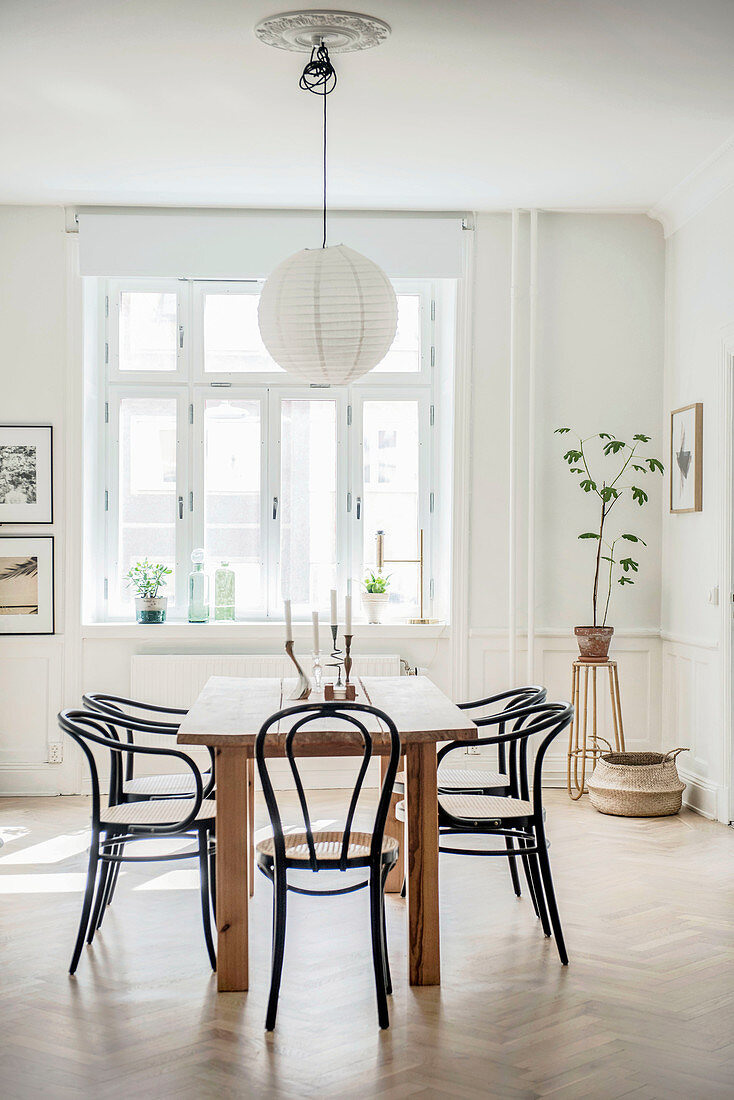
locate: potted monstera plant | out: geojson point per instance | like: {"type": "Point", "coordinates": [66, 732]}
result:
{"type": "Point", "coordinates": [147, 578]}
{"type": "Point", "coordinates": [607, 483]}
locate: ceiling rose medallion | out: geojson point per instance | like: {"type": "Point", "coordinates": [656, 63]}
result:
{"type": "Point", "coordinates": [327, 314]}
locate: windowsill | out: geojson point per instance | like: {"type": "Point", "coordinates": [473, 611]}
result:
{"type": "Point", "coordinates": [256, 631]}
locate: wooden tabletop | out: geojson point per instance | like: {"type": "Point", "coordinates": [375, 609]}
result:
{"type": "Point", "coordinates": [230, 711]}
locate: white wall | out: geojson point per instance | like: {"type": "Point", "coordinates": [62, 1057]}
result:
{"type": "Point", "coordinates": [33, 390]}
{"type": "Point", "coordinates": [700, 304]}
{"type": "Point", "coordinates": [600, 308]}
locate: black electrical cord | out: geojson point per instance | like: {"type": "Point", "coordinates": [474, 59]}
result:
{"type": "Point", "coordinates": [319, 77]}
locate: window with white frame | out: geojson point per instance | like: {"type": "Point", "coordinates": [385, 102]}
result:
{"type": "Point", "coordinates": [207, 442]}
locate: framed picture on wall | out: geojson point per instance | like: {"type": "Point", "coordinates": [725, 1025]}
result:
{"type": "Point", "coordinates": [26, 479]}
{"type": "Point", "coordinates": [686, 459]}
{"type": "Point", "coordinates": [27, 585]}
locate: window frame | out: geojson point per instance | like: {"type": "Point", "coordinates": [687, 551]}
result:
{"type": "Point", "coordinates": [193, 387]}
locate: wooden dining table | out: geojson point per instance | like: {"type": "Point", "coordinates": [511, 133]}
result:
{"type": "Point", "coordinates": [228, 715]}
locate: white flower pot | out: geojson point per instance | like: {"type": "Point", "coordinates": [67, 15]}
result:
{"type": "Point", "coordinates": [150, 609]}
{"type": "Point", "coordinates": [374, 604]}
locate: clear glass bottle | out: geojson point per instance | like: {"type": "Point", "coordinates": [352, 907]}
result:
{"type": "Point", "coordinates": [198, 590]}
{"type": "Point", "coordinates": [224, 592]}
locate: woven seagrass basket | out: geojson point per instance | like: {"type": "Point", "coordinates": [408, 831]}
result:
{"type": "Point", "coordinates": [637, 784]}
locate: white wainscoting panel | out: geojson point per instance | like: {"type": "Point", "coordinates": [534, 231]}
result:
{"type": "Point", "coordinates": [691, 719]}
{"type": "Point", "coordinates": [637, 654]}
{"type": "Point", "coordinates": [31, 694]}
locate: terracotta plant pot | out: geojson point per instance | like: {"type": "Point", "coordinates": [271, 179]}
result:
{"type": "Point", "coordinates": [593, 642]}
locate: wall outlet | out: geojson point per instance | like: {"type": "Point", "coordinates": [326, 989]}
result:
{"type": "Point", "coordinates": [56, 752]}
{"type": "Point", "coordinates": [473, 750]}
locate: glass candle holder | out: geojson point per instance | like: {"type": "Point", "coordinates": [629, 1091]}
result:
{"type": "Point", "coordinates": [316, 671]}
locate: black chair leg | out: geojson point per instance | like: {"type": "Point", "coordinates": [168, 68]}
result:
{"type": "Point", "coordinates": [205, 900]}
{"type": "Point", "coordinates": [115, 850]}
{"type": "Point", "coordinates": [512, 860]}
{"type": "Point", "coordinates": [112, 886]}
{"type": "Point", "coordinates": [377, 952]}
{"type": "Point", "coordinates": [385, 956]}
{"type": "Point", "coordinates": [539, 894]}
{"type": "Point", "coordinates": [528, 879]}
{"type": "Point", "coordinates": [280, 893]}
{"type": "Point", "coordinates": [213, 877]}
{"type": "Point", "coordinates": [102, 884]}
{"type": "Point", "coordinates": [545, 871]}
{"type": "Point", "coordinates": [87, 903]}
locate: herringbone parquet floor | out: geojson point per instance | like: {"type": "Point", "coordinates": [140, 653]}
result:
{"type": "Point", "coordinates": [645, 1011]}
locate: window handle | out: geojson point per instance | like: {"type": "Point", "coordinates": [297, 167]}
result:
{"type": "Point", "coordinates": [275, 507]}
{"type": "Point", "coordinates": [359, 507]}
{"type": "Point", "coordinates": [180, 507]}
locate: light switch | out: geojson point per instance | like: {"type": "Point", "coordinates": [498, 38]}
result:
{"type": "Point", "coordinates": [714, 595]}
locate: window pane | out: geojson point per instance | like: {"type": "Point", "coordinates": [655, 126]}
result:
{"type": "Point", "coordinates": [148, 327]}
{"type": "Point", "coordinates": [308, 503]}
{"type": "Point", "coordinates": [232, 462]}
{"type": "Point", "coordinates": [405, 354]}
{"type": "Point", "coordinates": [232, 337]}
{"type": "Point", "coordinates": [147, 499]}
{"type": "Point", "coordinates": [391, 486]}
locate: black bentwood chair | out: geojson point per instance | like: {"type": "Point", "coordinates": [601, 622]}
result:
{"type": "Point", "coordinates": [125, 786]}
{"type": "Point", "coordinates": [117, 824]}
{"type": "Point", "coordinates": [329, 851]}
{"type": "Point", "coordinates": [518, 817]}
{"type": "Point", "coordinates": [484, 779]}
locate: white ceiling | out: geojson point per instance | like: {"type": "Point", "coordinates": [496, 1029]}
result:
{"type": "Point", "coordinates": [471, 104]}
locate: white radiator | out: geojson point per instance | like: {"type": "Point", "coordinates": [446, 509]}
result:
{"type": "Point", "coordinates": [175, 680]}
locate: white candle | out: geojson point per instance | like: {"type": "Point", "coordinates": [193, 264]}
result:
{"type": "Point", "coordinates": [334, 619]}
{"type": "Point", "coordinates": [288, 621]}
{"type": "Point", "coordinates": [348, 615]}
{"type": "Point", "coordinates": [315, 617]}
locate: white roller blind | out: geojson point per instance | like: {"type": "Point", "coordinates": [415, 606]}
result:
{"type": "Point", "coordinates": [248, 244]}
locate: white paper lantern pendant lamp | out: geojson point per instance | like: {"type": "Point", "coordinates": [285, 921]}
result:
{"type": "Point", "coordinates": [327, 314]}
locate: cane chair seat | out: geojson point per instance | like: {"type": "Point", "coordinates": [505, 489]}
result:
{"type": "Point", "coordinates": [470, 779]}
{"type": "Point", "coordinates": [155, 812]}
{"type": "Point", "coordinates": [160, 786]}
{"type": "Point", "coordinates": [327, 845]}
{"type": "Point", "coordinates": [461, 779]}
{"type": "Point", "coordinates": [484, 807]}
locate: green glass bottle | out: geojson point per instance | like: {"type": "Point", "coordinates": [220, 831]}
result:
{"type": "Point", "coordinates": [198, 590]}
{"type": "Point", "coordinates": [224, 592]}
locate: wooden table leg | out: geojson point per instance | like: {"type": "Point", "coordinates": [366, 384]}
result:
{"type": "Point", "coordinates": [251, 822]}
{"type": "Point", "coordinates": [424, 952]}
{"type": "Point", "coordinates": [232, 858]}
{"type": "Point", "coordinates": [395, 828]}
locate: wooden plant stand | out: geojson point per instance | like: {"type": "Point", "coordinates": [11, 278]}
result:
{"type": "Point", "coordinates": [582, 743]}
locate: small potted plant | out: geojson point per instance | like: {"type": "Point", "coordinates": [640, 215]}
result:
{"type": "Point", "coordinates": [609, 489]}
{"type": "Point", "coordinates": [147, 578]}
{"type": "Point", "coordinates": [375, 596]}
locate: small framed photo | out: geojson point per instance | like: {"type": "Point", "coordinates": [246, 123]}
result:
{"type": "Point", "coordinates": [26, 478]}
{"type": "Point", "coordinates": [686, 459]}
{"type": "Point", "coordinates": [27, 585]}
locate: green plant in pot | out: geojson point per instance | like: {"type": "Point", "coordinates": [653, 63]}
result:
{"type": "Point", "coordinates": [147, 578]}
{"type": "Point", "coordinates": [608, 469]}
{"type": "Point", "coordinates": [375, 596]}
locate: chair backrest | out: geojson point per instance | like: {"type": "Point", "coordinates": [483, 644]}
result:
{"type": "Point", "coordinates": [515, 730]}
{"type": "Point", "coordinates": [354, 719]}
{"type": "Point", "coordinates": [87, 729]}
{"type": "Point", "coordinates": [131, 716]}
{"type": "Point", "coordinates": [504, 701]}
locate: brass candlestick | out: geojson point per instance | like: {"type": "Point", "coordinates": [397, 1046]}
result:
{"type": "Point", "coordinates": [381, 560]}
{"type": "Point", "coordinates": [303, 687]}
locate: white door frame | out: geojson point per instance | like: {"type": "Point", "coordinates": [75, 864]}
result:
{"type": "Point", "coordinates": [726, 513]}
